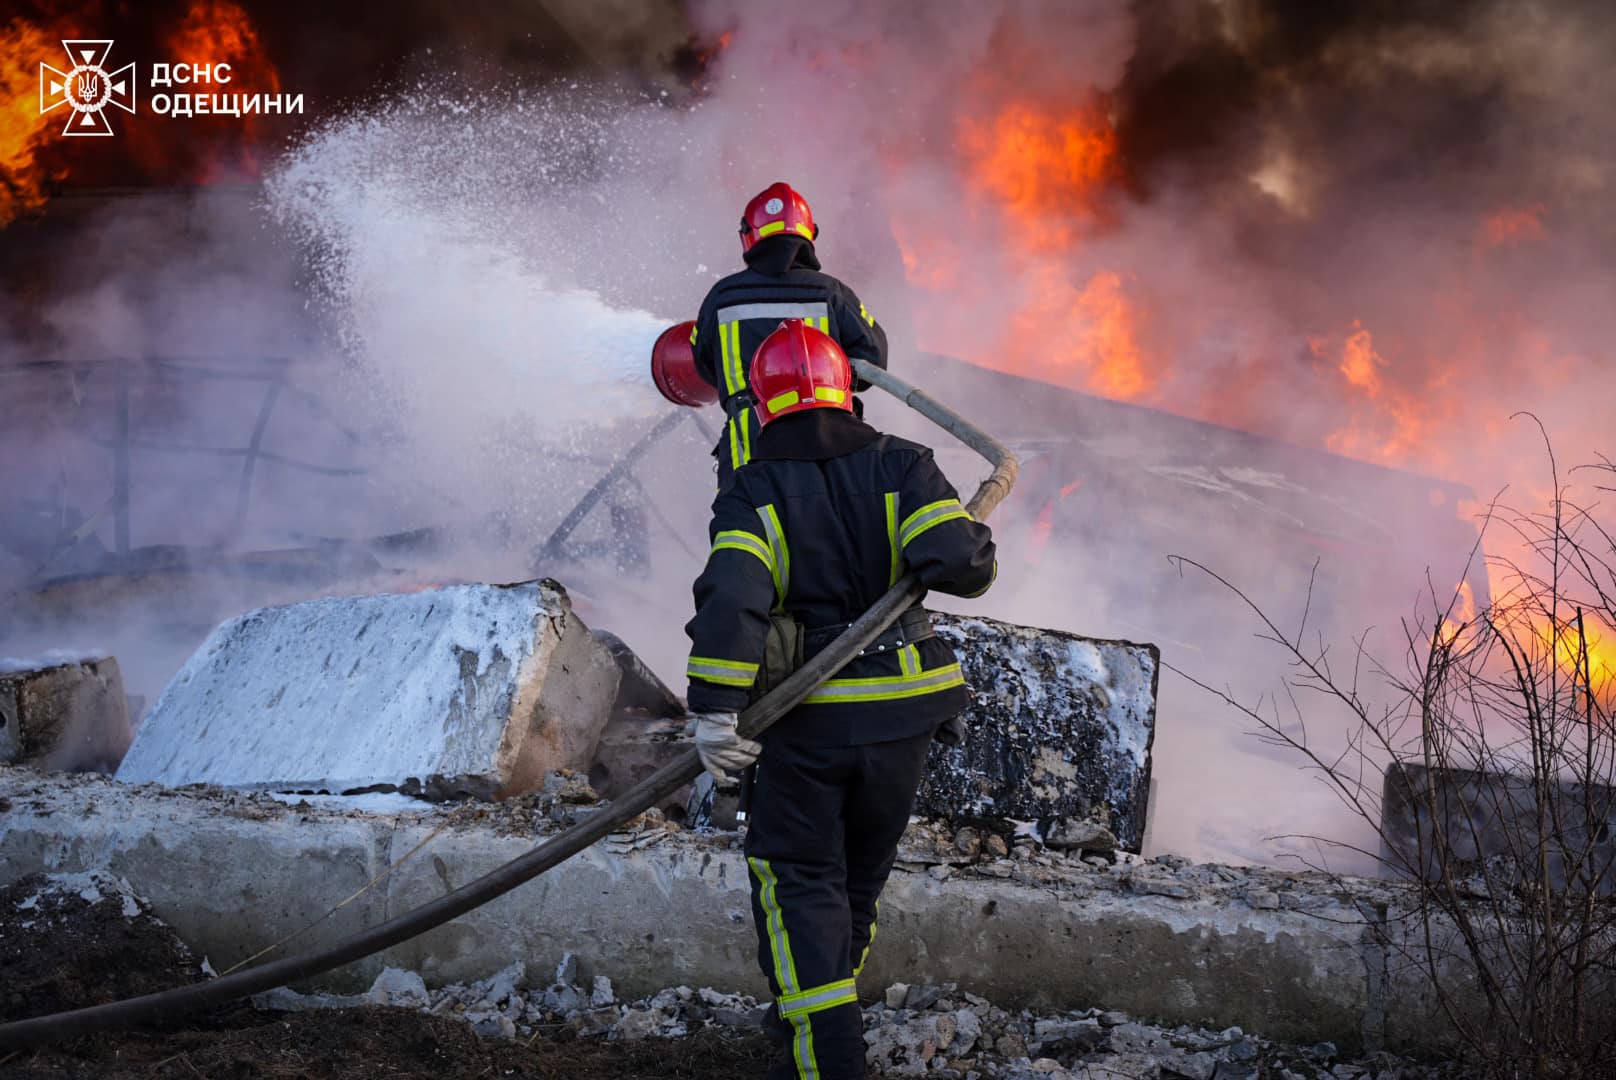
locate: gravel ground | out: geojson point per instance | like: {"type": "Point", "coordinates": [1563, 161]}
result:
{"type": "Point", "coordinates": [82, 939]}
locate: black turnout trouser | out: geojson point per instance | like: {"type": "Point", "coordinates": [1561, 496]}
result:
{"type": "Point", "coordinates": [824, 827]}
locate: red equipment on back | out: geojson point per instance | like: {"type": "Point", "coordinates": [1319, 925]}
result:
{"type": "Point", "coordinates": [798, 368]}
{"type": "Point", "coordinates": [776, 209]}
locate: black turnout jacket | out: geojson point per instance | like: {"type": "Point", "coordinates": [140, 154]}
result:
{"type": "Point", "coordinates": [829, 513]}
{"type": "Point", "coordinates": [782, 280]}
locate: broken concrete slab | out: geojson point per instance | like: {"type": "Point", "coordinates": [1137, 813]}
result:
{"type": "Point", "coordinates": [470, 690]}
{"type": "Point", "coordinates": [63, 714]}
{"type": "Point", "coordinates": [1060, 729]}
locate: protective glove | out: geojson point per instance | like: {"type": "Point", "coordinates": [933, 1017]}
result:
{"type": "Point", "coordinates": [952, 731]}
{"type": "Point", "coordinates": [721, 747]}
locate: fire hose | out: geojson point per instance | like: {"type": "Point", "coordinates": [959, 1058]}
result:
{"type": "Point", "coordinates": [661, 784]}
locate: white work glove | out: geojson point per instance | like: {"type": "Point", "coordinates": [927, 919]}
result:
{"type": "Point", "coordinates": [721, 747]}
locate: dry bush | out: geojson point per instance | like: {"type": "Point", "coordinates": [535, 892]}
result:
{"type": "Point", "coordinates": [1497, 744]}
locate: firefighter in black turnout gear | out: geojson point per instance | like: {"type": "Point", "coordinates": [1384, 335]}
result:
{"type": "Point", "coordinates": [782, 280]}
{"type": "Point", "coordinates": [823, 520]}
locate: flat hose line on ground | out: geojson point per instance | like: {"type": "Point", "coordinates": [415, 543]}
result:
{"type": "Point", "coordinates": [169, 1004]}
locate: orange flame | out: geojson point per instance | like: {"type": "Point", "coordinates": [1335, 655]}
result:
{"type": "Point", "coordinates": [1090, 333]}
{"type": "Point", "coordinates": [22, 130]}
{"type": "Point", "coordinates": [219, 31]}
{"type": "Point", "coordinates": [1390, 422]}
{"type": "Point", "coordinates": [1042, 170]}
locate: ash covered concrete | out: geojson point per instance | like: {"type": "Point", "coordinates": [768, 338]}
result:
{"type": "Point", "coordinates": [1060, 730]}
{"type": "Point", "coordinates": [472, 689]}
{"type": "Point", "coordinates": [1292, 955]}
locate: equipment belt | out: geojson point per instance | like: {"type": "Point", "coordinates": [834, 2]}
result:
{"type": "Point", "coordinates": [738, 403]}
{"type": "Point", "coordinates": [912, 626]}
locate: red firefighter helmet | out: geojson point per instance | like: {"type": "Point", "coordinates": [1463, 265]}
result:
{"type": "Point", "coordinates": [798, 368]}
{"type": "Point", "coordinates": [777, 209]}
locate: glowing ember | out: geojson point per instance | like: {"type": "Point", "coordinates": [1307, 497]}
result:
{"type": "Point", "coordinates": [22, 130]}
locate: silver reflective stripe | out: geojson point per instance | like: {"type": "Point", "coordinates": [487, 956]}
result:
{"type": "Point", "coordinates": [819, 310]}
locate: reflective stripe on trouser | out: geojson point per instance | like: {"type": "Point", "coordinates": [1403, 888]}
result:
{"type": "Point", "coordinates": [824, 828]}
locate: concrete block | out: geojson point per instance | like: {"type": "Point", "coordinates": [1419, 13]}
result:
{"type": "Point", "coordinates": [69, 715]}
{"type": "Point", "coordinates": [470, 690]}
{"type": "Point", "coordinates": [1060, 727]}
{"type": "Point", "coordinates": [1491, 828]}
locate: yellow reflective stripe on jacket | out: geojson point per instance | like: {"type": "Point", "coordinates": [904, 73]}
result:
{"type": "Point", "coordinates": [692, 335]}
{"type": "Point", "coordinates": [817, 999]}
{"type": "Point", "coordinates": [722, 672]}
{"type": "Point", "coordinates": [740, 540]}
{"type": "Point", "coordinates": [886, 687]}
{"type": "Point", "coordinates": [739, 427]}
{"type": "Point", "coordinates": [892, 537]}
{"type": "Point", "coordinates": [930, 515]}
{"type": "Point", "coordinates": [864, 313]}
{"type": "Point", "coordinates": [909, 660]}
{"type": "Point", "coordinates": [729, 346]}
{"type": "Point", "coordinates": [777, 544]}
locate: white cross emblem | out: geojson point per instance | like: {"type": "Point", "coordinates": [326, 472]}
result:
{"type": "Point", "coordinates": [87, 87]}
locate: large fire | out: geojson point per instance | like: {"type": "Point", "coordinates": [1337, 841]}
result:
{"type": "Point", "coordinates": [23, 132]}
{"type": "Point", "coordinates": [1045, 171]}
{"type": "Point", "coordinates": [1039, 175]}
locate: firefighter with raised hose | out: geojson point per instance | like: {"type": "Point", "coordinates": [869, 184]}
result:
{"type": "Point", "coordinates": [824, 517]}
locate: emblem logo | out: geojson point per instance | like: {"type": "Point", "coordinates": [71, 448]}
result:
{"type": "Point", "coordinates": [86, 87]}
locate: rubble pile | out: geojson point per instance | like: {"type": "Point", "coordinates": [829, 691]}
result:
{"type": "Point", "coordinates": [913, 1031]}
